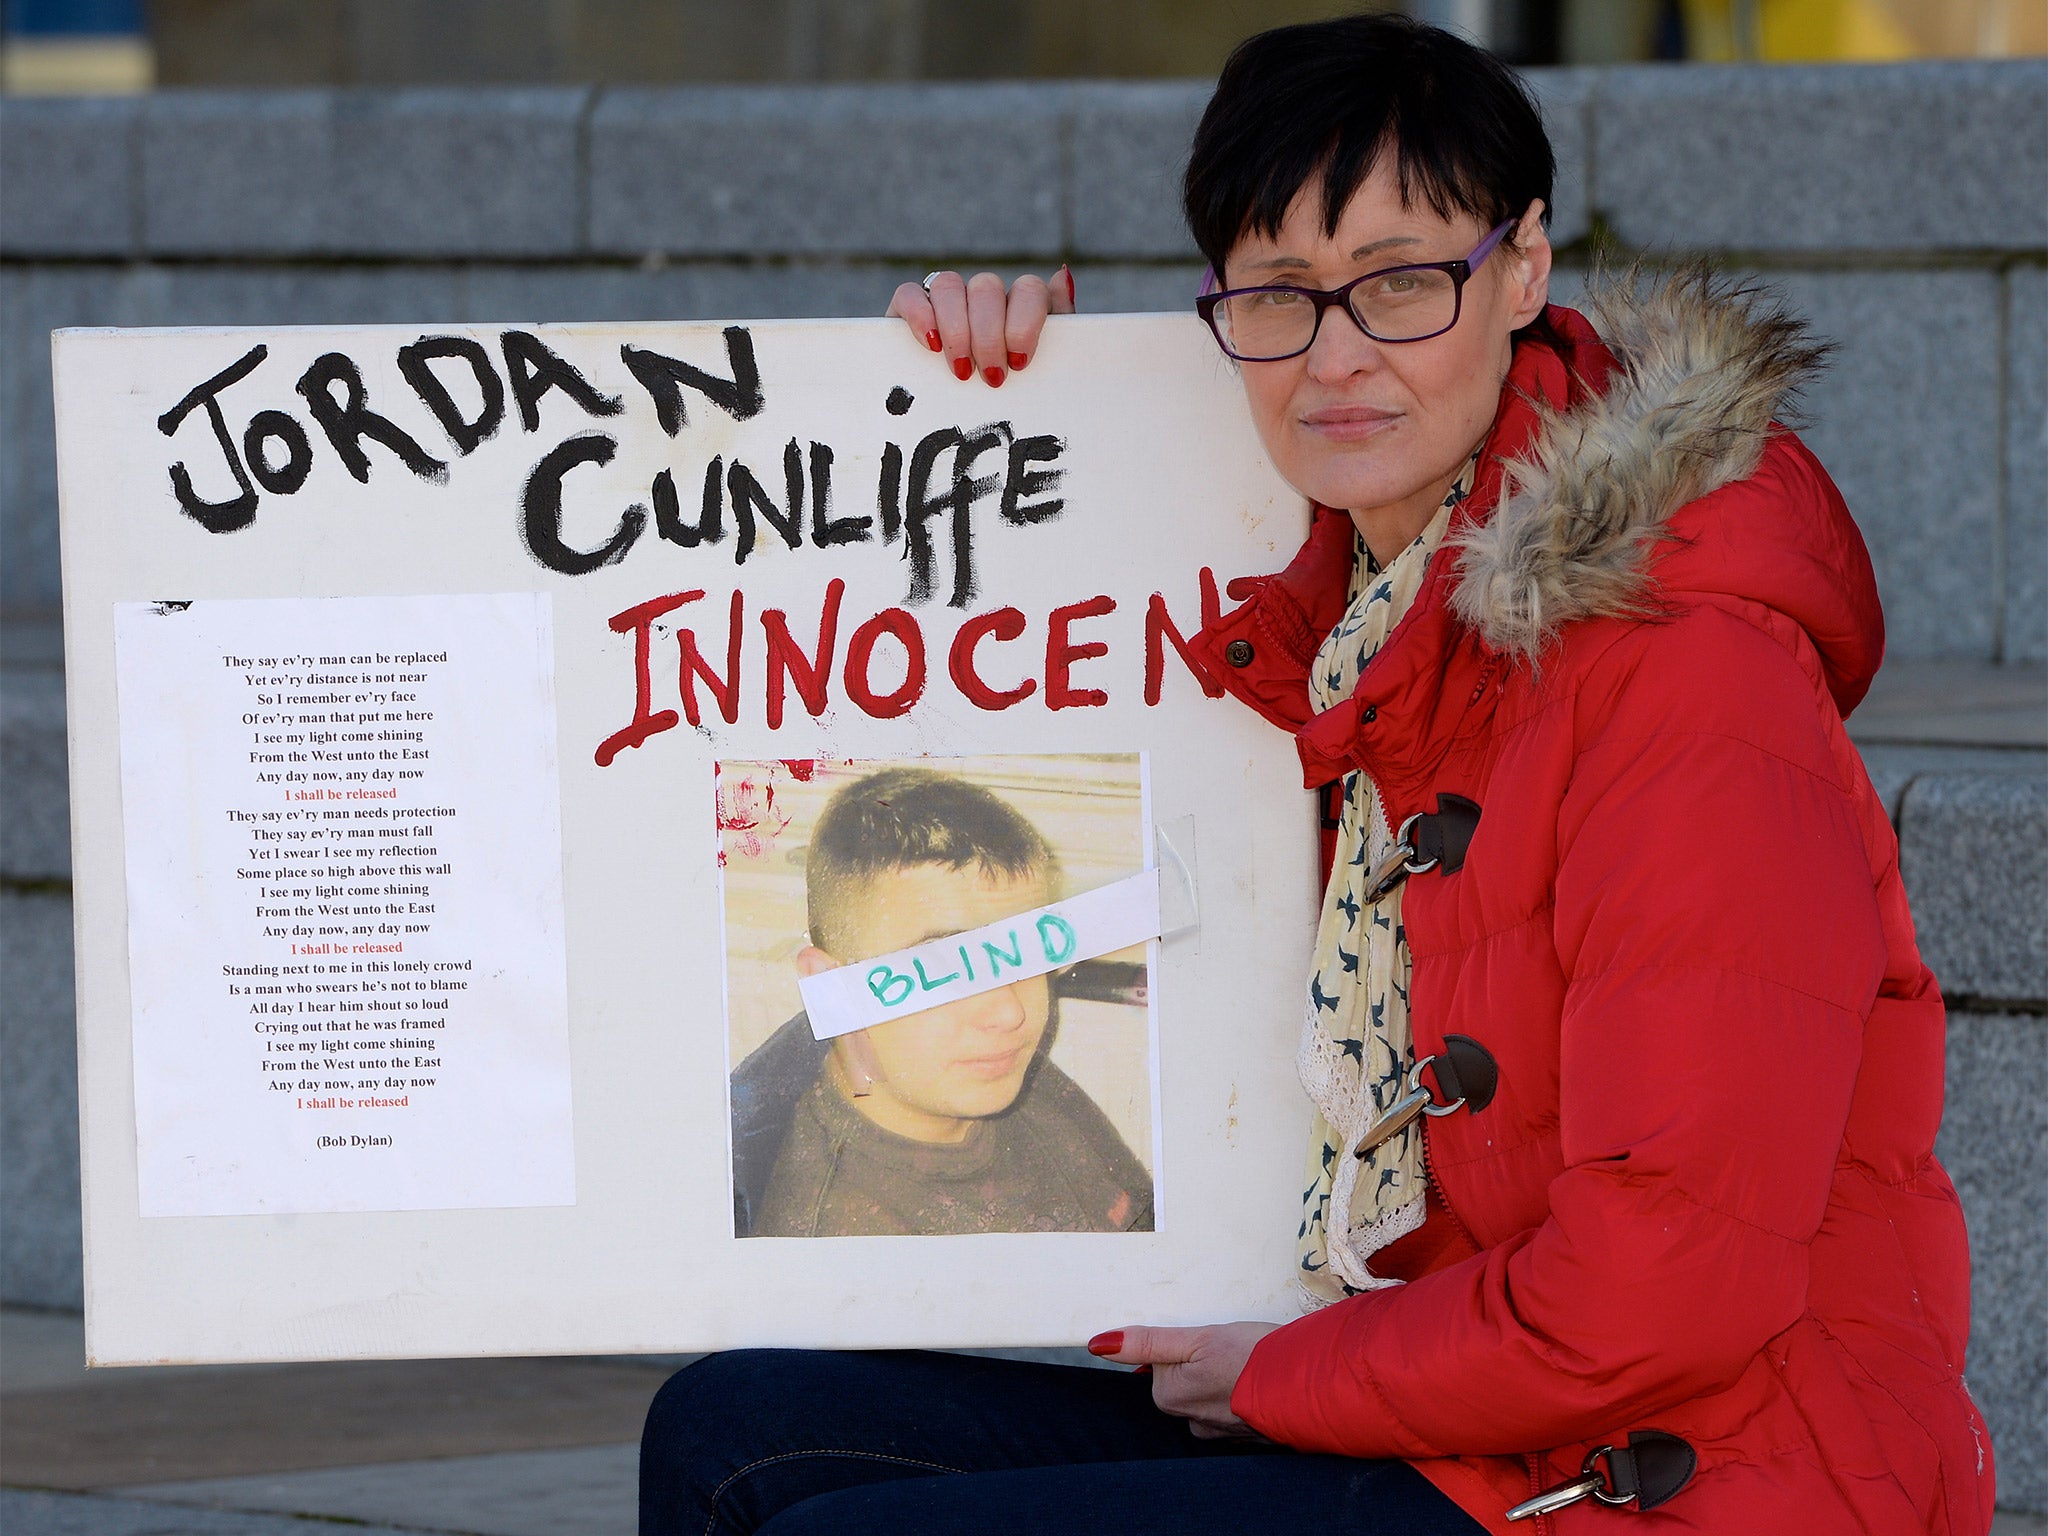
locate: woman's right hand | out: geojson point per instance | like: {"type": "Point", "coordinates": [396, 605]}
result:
{"type": "Point", "coordinates": [977, 325]}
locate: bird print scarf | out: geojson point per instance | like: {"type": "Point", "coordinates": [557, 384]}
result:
{"type": "Point", "coordinates": [1356, 1047]}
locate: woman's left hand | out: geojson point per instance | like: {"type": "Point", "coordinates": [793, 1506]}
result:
{"type": "Point", "coordinates": [1194, 1370]}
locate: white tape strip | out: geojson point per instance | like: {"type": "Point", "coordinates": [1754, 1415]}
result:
{"type": "Point", "coordinates": [893, 986]}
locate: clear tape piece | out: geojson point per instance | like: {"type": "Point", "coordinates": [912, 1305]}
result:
{"type": "Point", "coordinates": [1180, 908]}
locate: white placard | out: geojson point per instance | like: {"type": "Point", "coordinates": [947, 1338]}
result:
{"type": "Point", "coordinates": [796, 544]}
{"type": "Point", "coordinates": [345, 905]}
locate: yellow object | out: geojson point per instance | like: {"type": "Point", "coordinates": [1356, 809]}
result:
{"type": "Point", "coordinates": [76, 66]}
{"type": "Point", "coordinates": [1864, 31]}
{"type": "Point", "coordinates": [1830, 29]}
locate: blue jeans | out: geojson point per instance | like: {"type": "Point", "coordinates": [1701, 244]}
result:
{"type": "Point", "coordinates": [803, 1443]}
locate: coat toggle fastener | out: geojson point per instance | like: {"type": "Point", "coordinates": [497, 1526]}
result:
{"type": "Point", "coordinates": [1426, 840]}
{"type": "Point", "coordinates": [1646, 1472]}
{"type": "Point", "coordinates": [1466, 1077]}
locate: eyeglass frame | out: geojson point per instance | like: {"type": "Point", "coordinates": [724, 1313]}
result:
{"type": "Point", "coordinates": [1459, 270]}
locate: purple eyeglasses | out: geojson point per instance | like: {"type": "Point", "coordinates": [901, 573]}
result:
{"type": "Point", "coordinates": [1281, 320]}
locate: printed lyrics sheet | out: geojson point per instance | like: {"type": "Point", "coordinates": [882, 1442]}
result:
{"type": "Point", "coordinates": [344, 904]}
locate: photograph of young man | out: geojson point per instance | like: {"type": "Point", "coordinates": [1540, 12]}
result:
{"type": "Point", "coordinates": [951, 1120]}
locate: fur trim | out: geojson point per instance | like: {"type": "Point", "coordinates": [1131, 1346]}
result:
{"type": "Point", "coordinates": [1704, 366]}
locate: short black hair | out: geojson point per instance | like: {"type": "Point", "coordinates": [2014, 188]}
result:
{"type": "Point", "coordinates": [1323, 101]}
{"type": "Point", "coordinates": [898, 817]}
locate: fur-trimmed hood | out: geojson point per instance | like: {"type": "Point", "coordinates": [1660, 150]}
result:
{"type": "Point", "coordinates": [1611, 508]}
{"type": "Point", "coordinates": [1639, 475]}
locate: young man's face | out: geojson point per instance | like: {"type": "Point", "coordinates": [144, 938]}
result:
{"type": "Point", "coordinates": [930, 1075]}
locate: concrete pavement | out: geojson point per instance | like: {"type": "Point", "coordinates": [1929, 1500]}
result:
{"type": "Point", "coordinates": [529, 1447]}
{"type": "Point", "coordinates": [475, 1447]}
{"type": "Point", "coordinates": [451, 1447]}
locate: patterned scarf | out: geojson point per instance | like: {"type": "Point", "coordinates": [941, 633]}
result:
{"type": "Point", "coordinates": [1356, 1046]}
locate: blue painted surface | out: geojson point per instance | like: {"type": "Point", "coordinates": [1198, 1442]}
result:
{"type": "Point", "coordinates": [74, 18]}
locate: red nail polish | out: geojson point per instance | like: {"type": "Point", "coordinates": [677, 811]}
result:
{"type": "Point", "coordinates": [962, 369]}
{"type": "Point", "coordinates": [1106, 1343]}
{"type": "Point", "coordinates": [1017, 362]}
{"type": "Point", "coordinates": [1068, 274]}
{"type": "Point", "coordinates": [1141, 1370]}
{"type": "Point", "coordinates": [994, 376]}
{"type": "Point", "coordinates": [931, 339]}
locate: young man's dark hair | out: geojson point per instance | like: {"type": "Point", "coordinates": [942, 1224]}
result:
{"type": "Point", "coordinates": [1323, 101]}
{"type": "Point", "coordinates": [898, 817]}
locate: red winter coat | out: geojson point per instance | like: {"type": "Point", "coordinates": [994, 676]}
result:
{"type": "Point", "coordinates": [1704, 1199]}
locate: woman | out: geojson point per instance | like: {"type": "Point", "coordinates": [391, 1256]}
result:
{"type": "Point", "coordinates": [1610, 898]}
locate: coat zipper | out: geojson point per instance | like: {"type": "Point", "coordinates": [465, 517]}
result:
{"type": "Point", "coordinates": [1535, 1464]}
{"type": "Point", "coordinates": [1379, 805]}
{"type": "Point", "coordinates": [1543, 1526]}
{"type": "Point", "coordinates": [1531, 1460]}
{"type": "Point", "coordinates": [1429, 1178]}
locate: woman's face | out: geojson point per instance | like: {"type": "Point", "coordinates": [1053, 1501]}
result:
{"type": "Point", "coordinates": [1377, 428]}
